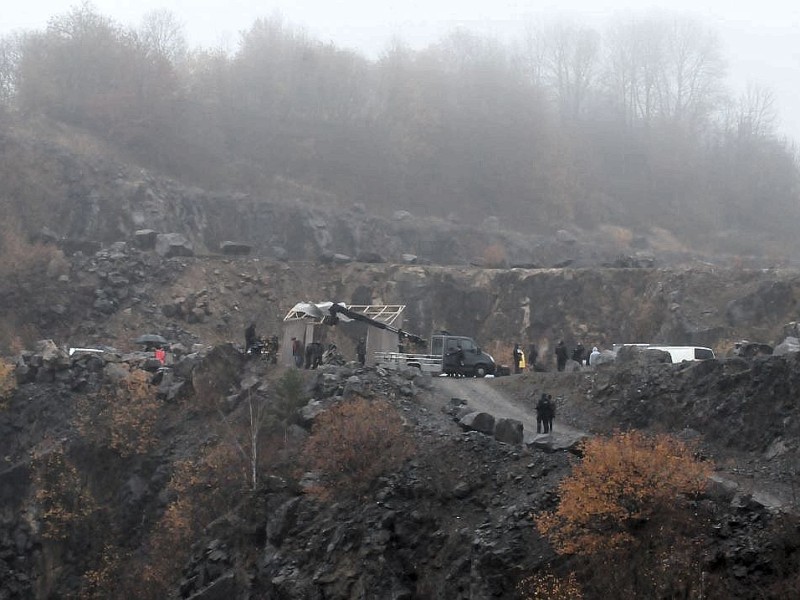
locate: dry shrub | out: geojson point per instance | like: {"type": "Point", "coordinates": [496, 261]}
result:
{"type": "Point", "coordinates": [20, 258]}
{"type": "Point", "coordinates": [494, 256]}
{"type": "Point", "coordinates": [58, 494]}
{"type": "Point", "coordinates": [621, 483]}
{"type": "Point", "coordinates": [27, 270]}
{"type": "Point", "coordinates": [122, 416]}
{"type": "Point", "coordinates": [547, 586]}
{"type": "Point", "coordinates": [628, 502]}
{"type": "Point", "coordinates": [109, 578]}
{"type": "Point", "coordinates": [8, 383]}
{"type": "Point", "coordinates": [201, 491]}
{"type": "Point", "coordinates": [621, 236]}
{"type": "Point", "coordinates": [355, 442]}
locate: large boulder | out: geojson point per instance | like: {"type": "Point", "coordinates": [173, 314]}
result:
{"type": "Point", "coordinates": [235, 248]}
{"type": "Point", "coordinates": [478, 421]}
{"type": "Point", "coordinates": [145, 239]}
{"type": "Point", "coordinates": [70, 246]}
{"type": "Point", "coordinates": [790, 344]}
{"type": "Point", "coordinates": [169, 245]}
{"type": "Point", "coordinates": [509, 431]}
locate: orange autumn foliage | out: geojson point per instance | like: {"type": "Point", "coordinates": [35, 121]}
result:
{"type": "Point", "coordinates": [355, 442]}
{"type": "Point", "coordinates": [621, 483]}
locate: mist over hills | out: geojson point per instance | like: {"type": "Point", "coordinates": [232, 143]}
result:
{"type": "Point", "coordinates": [576, 130]}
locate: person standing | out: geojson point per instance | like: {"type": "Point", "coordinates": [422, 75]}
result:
{"type": "Point", "coordinates": [517, 359]}
{"type": "Point", "coordinates": [594, 356]}
{"type": "Point", "coordinates": [309, 355]}
{"type": "Point", "coordinates": [249, 337]}
{"type": "Point", "coordinates": [533, 354]}
{"type": "Point", "coordinates": [578, 353]}
{"type": "Point", "coordinates": [561, 355]}
{"type": "Point", "coordinates": [549, 414]}
{"type": "Point", "coordinates": [297, 352]}
{"type": "Point", "coordinates": [361, 351]}
{"type": "Point", "coordinates": [545, 412]}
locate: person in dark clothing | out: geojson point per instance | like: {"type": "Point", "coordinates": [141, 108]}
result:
{"type": "Point", "coordinates": [517, 359]}
{"type": "Point", "coordinates": [561, 355]}
{"type": "Point", "coordinates": [543, 419]}
{"type": "Point", "coordinates": [578, 353]}
{"type": "Point", "coordinates": [309, 354]}
{"type": "Point", "coordinates": [361, 351]}
{"type": "Point", "coordinates": [316, 354]}
{"type": "Point", "coordinates": [297, 352]}
{"type": "Point", "coordinates": [549, 413]}
{"type": "Point", "coordinates": [454, 361]}
{"type": "Point", "coordinates": [545, 413]}
{"type": "Point", "coordinates": [249, 336]}
{"type": "Point", "coordinates": [533, 354]}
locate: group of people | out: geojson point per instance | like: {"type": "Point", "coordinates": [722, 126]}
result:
{"type": "Point", "coordinates": [255, 345]}
{"type": "Point", "coordinates": [579, 355]}
{"type": "Point", "coordinates": [545, 413]}
{"type": "Point", "coordinates": [521, 360]}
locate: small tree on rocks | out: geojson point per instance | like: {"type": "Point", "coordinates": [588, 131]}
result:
{"type": "Point", "coordinates": [355, 442]}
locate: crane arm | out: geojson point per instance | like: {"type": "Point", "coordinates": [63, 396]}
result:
{"type": "Point", "coordinates": [339, 309]}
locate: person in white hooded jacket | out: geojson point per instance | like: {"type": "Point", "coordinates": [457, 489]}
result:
{"type": "Point", "coordinates": [593, 356]}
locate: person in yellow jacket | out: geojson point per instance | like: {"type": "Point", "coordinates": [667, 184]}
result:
{"type": "Point", "coordinates": [519, 359]}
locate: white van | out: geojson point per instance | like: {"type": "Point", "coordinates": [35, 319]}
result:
{"type": "Point", "coordinates": [681, 354]}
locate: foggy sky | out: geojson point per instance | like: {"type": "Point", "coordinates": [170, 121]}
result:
{"type": "Point", "coordinates": [761, 40]}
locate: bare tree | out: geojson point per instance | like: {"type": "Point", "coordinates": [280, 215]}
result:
{"type": "Point", "coordinates": [693, 70]}
{"type": "Point", "coordinates": [757, 114]}
{"type": "Point", "coordinates": [162, 35]}
{"type": "Point", "coordinates": [666, 67]}
{"type": "Point", "coordinates": [572, 54]}
{"type": "Point", "coordinates": [9, 63]}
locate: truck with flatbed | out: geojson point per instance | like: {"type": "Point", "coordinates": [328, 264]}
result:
{"type": "Point", "coordinates": [453, 355]}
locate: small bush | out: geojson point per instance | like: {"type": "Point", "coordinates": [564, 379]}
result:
{"type": "Point", "coordinates": [290, 394]}
{"type": "Point", "coordinates": [355, 442]}
{"type": "Point", "coordinates": [123, 416]}
{"type": "Point", "coordinates": [628, 502]}
{"type": "Point", "coordinates": [621, 483]}
{"type": "Point", "coordinates": [8, 383]}
{"type": "Point", "coordinates": [494, 256]}
{"type": "Point", "coordinates": [547, 586]}
{"type": "Point", "coordinates": [201, 490]}
{"type": "Point", "coordinates": [58, 494]}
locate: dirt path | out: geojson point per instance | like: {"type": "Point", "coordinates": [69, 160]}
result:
{"type": "Point", "coordinates": [480, 395]}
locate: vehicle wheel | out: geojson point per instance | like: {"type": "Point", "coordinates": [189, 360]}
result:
{"type": "Point", "coordinates": [480, 370]}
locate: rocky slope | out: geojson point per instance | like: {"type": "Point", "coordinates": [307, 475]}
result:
{"type": "Point", "coordinates": [454, 521]}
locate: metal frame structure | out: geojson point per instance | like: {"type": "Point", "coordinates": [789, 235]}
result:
{"type": "Point", "coordinates": [383, 313]}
